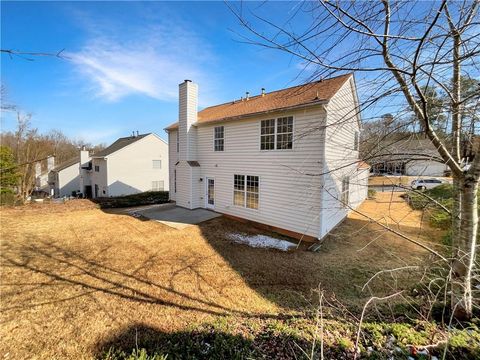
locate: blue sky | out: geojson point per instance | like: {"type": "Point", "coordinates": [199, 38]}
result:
{"type": "Point", "coordinates": [125, 61]}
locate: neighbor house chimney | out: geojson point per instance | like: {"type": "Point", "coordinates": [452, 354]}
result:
{"type": "Point", "coordinates": [263, 91]}
{"type": "Point", "coordinates": [84, 156]}
{"type": "Point", "coordinates": [187, 116]}
{"type": "Point", "coordinates": [247, 95]}
{"type": "Point", "coordinates": [50, 163]}
{"type": "Point", "coordinates": [38, 169]}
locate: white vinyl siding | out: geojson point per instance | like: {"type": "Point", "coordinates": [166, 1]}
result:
{"type": "Point", "coordinates": [288, 196]}
{"type": "Point", "coordinates": [131, 169]}
{"type": "Point", "coordinates": [341, 159]}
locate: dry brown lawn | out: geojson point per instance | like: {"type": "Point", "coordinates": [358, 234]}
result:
{"type": "Point", "coordinates": [73, 276]}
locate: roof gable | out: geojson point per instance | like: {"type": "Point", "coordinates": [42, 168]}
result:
{"type": "Point", "coordinates": [317, 92]}
{"type": "Point", "coordinates": [119, 144]}
{"type": "Point", "coordinates": [66, 164]}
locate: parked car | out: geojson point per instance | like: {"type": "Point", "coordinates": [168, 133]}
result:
{"type": "Point", "coordinates": [423, 184]}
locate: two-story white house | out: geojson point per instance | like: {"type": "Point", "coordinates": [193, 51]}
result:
{"type": "Point", "coordinates": [130, 165]}
{"type": "Point", "coordinates": [287, 159]}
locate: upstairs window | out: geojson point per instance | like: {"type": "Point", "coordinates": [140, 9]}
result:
{"type": "Point", "coordinates": [157, 164]}
{"type": "Point", "coordinates": [97, 168]}
{"type": "Point", "coordinates": [345, 191]}
{"type": "Point", "coordinates": [276, 134]}
{"type": "Point", "coordinates": [267, 134]}
{"type": "Point", "coordinates": [356, 141]}
{"type": "Point", "coordinates": [246, 191]}
{"type": "Point", "coordinates": [218, 138]}
{"type": "Point", "coordinates": [285, 133]}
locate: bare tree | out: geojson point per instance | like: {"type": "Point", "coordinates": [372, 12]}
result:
{"type": "Point", "coordinates": [401, 49]}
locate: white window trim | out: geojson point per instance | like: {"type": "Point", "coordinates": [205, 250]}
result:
{"type": "Point", "coordinates": [158, 181]}
{"type": "Point", "coordinates": [178, 140]}
{"type": "Point", "coordinates": [245, 192]}
{"type": "Point", "coordinates": [224, 142]}
{"type": "Point", "coordinates": [207, 205]}
{"type": "Point", "coordinates": [356, 135]}
{"type": "Point", "coordinates": [345, 203]}
{"type": "Point", "coordinates": [275, 134]}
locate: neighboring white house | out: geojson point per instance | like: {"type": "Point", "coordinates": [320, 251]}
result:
{"type": "Point", "coordinates": [42, 170]}
{"type": "Point", "coordinates": [130, 165]}
{"type": "Point", "coordinates": [72, 176]}
{"type": "Point", "coordinates": [411, 156]}
{"type": "Point", "coordinates": [286, 159]}
{"type": "Point", "coordinates": [64, 179]}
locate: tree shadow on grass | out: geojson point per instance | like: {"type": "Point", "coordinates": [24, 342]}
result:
{"type": "Point", "coordinates": [345, 263]}
{"type": "Point", "coordinates": [92, 273]}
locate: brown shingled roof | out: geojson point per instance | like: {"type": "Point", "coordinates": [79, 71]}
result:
{"type": "Point", "coordinates": [306, 94]}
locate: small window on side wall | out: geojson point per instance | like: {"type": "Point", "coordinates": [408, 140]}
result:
{"type": "Point", "coordinates": [157, 164]}
{"type": "Point", "coordinates": [345, 191]}
{"type": "Point", "coordinates": [97, 168]}
{"type": "Point", "coordinates": [157, 185]}
{"type": "Point", "coordinates": [218, 138]}
{"type": "Point", "coordinates": [178, 140]}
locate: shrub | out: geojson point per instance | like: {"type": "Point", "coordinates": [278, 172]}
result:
{"type": "Point", "coordinates": [145, 198]}
{"type": "Point", "coordinates": [372, 193]}
{"type": "Point", "coordinates": [7, 198]}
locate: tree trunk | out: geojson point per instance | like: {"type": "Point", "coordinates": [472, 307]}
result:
{"type": "Point", "coordinates": [465, 244]}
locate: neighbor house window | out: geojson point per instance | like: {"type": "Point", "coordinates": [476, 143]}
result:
{"type": "Point", "coordinates": [97, 168]}
{"type": "Point", "coordinates": [246, 191]}
{"type": "Point", "coordinates": [178, 141]}
{"type": "Point", "coordinates": [157, 185]}
{"type": "Point", "coordinates": [218, 138]}
{"type": "Point", "coordinates": [345, 190]}
{"type": "Point", "coordinates": [356, 141]}
{"type": "Point", "coordinates": [276, 134]}
{"type": "Point", "coordinates": [157, 164]}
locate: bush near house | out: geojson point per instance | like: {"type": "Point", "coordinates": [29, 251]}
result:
{"type": "Point", "coordinates": [436, 215]}
{"type": "Point", "coordinates": [146, 198]}
{"type": "Point", "coordinates": [293, 339]}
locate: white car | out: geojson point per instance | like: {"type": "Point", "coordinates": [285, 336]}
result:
{"type": "Point", "coordinates": [423, 184]}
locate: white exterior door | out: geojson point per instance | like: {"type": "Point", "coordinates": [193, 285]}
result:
{"type": "Point", "coordinates": [210, 193]}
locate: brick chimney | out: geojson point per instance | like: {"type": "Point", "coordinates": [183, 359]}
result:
{"type": "Point", "coordinates": [187, 116]}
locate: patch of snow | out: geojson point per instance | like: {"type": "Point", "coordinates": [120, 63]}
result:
{"type": "Point", "coordinates": [262, 241]}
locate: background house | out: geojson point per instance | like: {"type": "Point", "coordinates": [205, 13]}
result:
{"type": "Point", "coordinates": [42, 169]}
{"type": "Point", "coordinates": [64, 179]}
{"type": "Point", "coordinates": [286, 159]}
{"type": "Point", "coordinates": [132, 164]}
{"type": "Point", "coordinates": [411, 156]}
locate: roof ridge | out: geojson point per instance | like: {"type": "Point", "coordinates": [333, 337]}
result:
{"type": "Point", "coordinates": [278, 90]}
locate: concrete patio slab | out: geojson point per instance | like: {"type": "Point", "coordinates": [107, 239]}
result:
{"type": "Point", "coordinates": [177, 217]}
